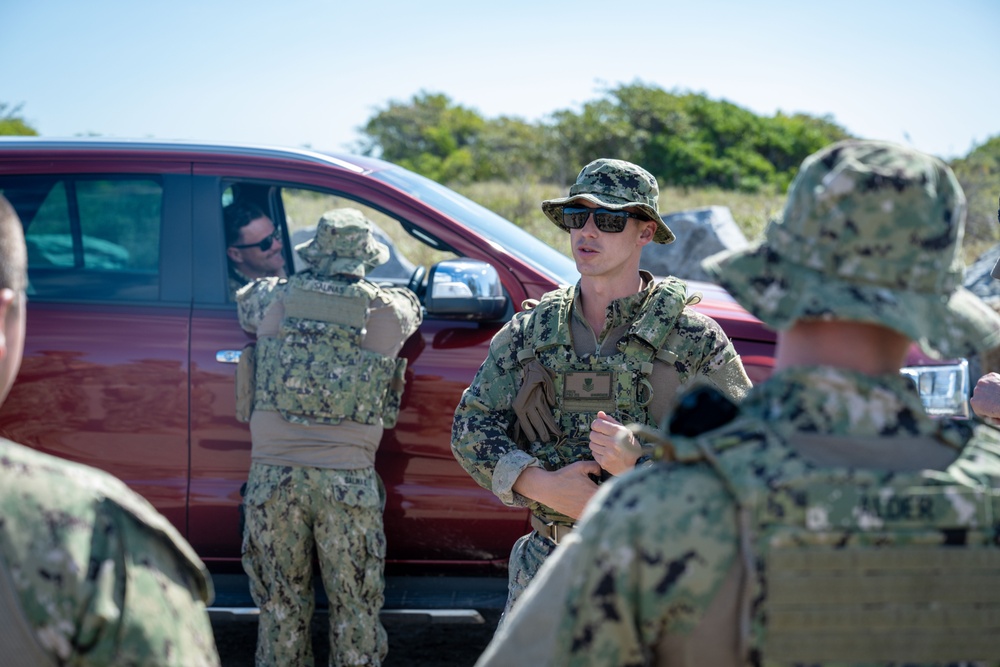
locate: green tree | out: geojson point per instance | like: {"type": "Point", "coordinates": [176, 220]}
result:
{"type": "Point", "coordinates": [429, 135]}
{"type": "Point", "coordinates": [510, 149]}
{"type": "Point", "coordinates": [979, 174]}
{"type": "Point", "coordinates": [688, 140]}
{"type": "Point", "coordinates": [790, 139]}
{"type": "Point", "coordinates": [12, 123]}
{"type": "Point", "coordinates": [684, 139]}
{"type": "Point", "coordinates": [599, 130]}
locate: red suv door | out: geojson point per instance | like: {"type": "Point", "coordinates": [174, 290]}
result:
{"type": "Point", "coordinates": [104, 376]}
{"type": "Point", "coordinates": [436, 516]}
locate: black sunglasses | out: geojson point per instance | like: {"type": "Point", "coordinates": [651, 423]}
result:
{"type": "Point", "coordinates": [575, 217]}
{"type": "Point", "coordinates": [265, 243]}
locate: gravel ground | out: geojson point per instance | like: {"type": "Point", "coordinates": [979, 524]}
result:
{"type": "Point", "coordinates": [417, 643]}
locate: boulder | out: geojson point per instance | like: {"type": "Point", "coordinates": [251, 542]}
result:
{"type": "Point", "coordinates": [700, 232]}
{"type": "Point", "coordinates": [979, 281]}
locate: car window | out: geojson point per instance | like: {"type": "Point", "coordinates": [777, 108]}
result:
{"type": "Point", "coordinates": [485, 222]}
{"type": "Point", "coordinates": [297, 210]}
{"type": "Point", "coordinates": [90, 238]}
{"type": "Point", "coordinates": [303, 209]}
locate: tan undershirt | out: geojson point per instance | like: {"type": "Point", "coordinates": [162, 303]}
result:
{"type": "Point", "coordinates": [347, 446]}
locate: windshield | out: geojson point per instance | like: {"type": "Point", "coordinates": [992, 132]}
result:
{"type": "Point", "coordinates": [486, 223]}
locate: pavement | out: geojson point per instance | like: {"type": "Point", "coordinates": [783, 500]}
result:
{"type": "Point", "coordinates": [415, 640]}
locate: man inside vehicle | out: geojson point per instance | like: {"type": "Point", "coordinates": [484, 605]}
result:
{"type": "Point", "coordinates": [253, 245]}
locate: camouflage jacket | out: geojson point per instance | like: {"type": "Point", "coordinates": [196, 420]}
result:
{"type": "Point", "coordinates": [101, 577]}
{"type": "Point", "coordinates": [482, 428]}
{"type": "Point", "coordinates": [236, 280]}
{"type": "Point", "coordinates": [655, 573]}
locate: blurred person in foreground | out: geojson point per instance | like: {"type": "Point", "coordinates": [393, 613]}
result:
{"type": "Point", "coordinates": [537, 425]}
{"type": "Point", "coordinates": [985, 400]}
{"type": "Point", "coordinates": [253, 245]}
{"type": "Point", "coordinates": [328, 382]}
{"type": "Point", "coordinates": [826, 519]}
{"type": "Point", "coordinates": [90, 573]}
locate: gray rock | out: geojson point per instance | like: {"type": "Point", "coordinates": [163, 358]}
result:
{"type": "Point", "coordinates": [700, 232]}
{"type": "Point", "coordinates": [978, 279]}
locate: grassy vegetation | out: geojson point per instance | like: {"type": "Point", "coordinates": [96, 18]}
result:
{"type": "Point", "coordinates": [303, 208]}
{"type": "Point", "coordinates": [519, 203]}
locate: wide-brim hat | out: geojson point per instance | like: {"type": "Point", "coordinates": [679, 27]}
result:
{"type": "Point", "coordinates": [871, 232]}
{"type": "Point", "coordinates": [615, 185]}
{"type": "Point", "coordinates": [343, 244]}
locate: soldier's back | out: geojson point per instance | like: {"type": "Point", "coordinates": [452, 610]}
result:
{"type": "Point", "coordinates": [99, 575]}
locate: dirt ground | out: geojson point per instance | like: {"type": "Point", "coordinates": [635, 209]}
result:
{"type": "Point", "coordinates": [411, 643]}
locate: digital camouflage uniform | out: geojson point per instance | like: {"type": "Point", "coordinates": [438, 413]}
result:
{"type": "Point", "coordinates": [828, 520]}
{"type": "Point", "coordinates": [99, 575]}
{"type": "Point", "coordinates": [652, 344]}
{"type": "Point", "coordinates": [236, 280]}
{"type": "Point", "coordinates": [319, 386]}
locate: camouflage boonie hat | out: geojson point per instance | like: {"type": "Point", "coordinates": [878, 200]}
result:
{"type": "Point", "coordinates": [871, 232]}
{"type": "Point", "coordinates": [615, 185]}
{"type": "Point", "coordinates": [344, 243]}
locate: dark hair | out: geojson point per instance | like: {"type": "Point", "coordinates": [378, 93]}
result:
{"type": "Point", "coordinates": [238, 215]}
{"type": "Point", "coordinates": [13, 256]}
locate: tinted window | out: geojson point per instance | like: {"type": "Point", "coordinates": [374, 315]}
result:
{"type": "Point", "coordinates": [90, 238]}
{"type": "Point", "coordinates": [486, 223]}
{"type": "Point", "coordinates": [296, 211]}
{"type": "Point", "coordinates": [303, 209]}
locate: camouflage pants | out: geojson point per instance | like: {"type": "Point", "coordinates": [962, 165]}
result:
{"type": "Point", "coordinates": [289, 511]}
{"type": "Point", "coordinates": [527, 556]}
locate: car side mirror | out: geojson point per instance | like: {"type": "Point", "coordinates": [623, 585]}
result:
{"type": "Point", "coordinates": [467, 289]}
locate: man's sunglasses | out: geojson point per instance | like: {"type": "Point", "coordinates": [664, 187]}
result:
{"type": "Point", "coordinates": [265, 243]}
{"type": "Point", "coordinates": [575, 217]}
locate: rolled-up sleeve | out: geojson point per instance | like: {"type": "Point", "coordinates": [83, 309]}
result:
{"type": "Point", "coordinates": [480, 439]}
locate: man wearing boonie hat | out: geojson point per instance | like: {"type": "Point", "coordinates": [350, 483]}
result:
{"type": "Point", "coordinates": [827, 519]}
{"type": "Point", "coordinates": [327, 382]}
{"type": "Point", "coordinates": [538, 424]}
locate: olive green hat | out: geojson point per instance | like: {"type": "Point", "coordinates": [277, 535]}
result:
{"type": "Point", "coordinates": [344, 244]}
{"type": "Point", "coordinates": [615, 185]}
{"type": "Point", "coordinates": [871, 232]}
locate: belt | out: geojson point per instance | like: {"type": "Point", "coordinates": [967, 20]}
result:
{"type": "Point", "coordinates": [550, 530]}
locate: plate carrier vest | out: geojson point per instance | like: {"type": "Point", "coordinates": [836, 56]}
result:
{"type": "Point", "coordinates": [617, 384]}
{"type": "Point", "coordinates": [860, 566]}
{"type": "Point", "coordinates": [315, 370]}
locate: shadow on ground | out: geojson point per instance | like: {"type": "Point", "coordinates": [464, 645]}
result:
{"type": "Point", "coordinates": [412, 643]}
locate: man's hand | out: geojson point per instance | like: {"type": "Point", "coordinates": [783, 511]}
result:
{"type": "Point", "coordinates": [985, 400]}
{"type": "Point", "coordinates": [566, 490]}
{"type": "Point", "coordinates": [613, 445]}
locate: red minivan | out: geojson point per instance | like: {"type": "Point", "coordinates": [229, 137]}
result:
{"type": "Point", "coordinates": [133, 338]}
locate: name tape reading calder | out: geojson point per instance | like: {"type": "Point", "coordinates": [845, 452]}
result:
{"type": "Point", "coordinates": [872, 508]}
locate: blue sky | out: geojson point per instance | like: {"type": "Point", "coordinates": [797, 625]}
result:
{"type": "Point", "coordinates": [311, 72]}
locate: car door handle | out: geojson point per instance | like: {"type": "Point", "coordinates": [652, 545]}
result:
{"type": "Point", "coordinates": [228, 356]}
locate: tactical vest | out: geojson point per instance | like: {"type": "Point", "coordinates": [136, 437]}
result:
{"type": "Point", "coordinates": [617, 384]}
{"type": "Point", "coordinates": [860, 566]}
{"type": "Point", "coordinates": [314, 370]}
